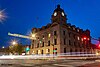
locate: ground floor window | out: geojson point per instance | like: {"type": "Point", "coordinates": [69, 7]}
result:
{"type": "Point", "coordinates": [42, 52]}
{"type": "Point", "coordinates": [64, 50]}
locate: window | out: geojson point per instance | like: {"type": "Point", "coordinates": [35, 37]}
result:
{"type": "Point", "coordinates": [63, 32]}
{"type": "Point", "coordinates": [69, 34]}
{"type": "Point", "coordinates": [64, 41]}
{"type": "Point", "coordinates": [55, 33]}
{"type": "Point", "coordinates": [47, 51]}
{"type": "Point", "coordinates": [38, 38]}
{"type": "Point", "coordinates": [33, 41]}
{"type": "Point", "coordinates": [49, 43]}
{"type": "Point", "coordinates": [37, 52]}
{"type": "Point", "coordinates": [69, 42]}
{"type": "Point", "coordinates": [74, 44]}
{"type": "Point", "coordinates": [43, 37]}
{"type": "Point", "coordinates": [42, 52]}
{"type": "Point", "coordinates": [49, 35]}
{"type": "Point", "coordinates": [74, 36]}
{"type": "Point", "coordinates": [37, 45]}
{"type": "Point", "coordinates": [42, 44]}
{"type": "Point", "coordinates": [55, 41]}
{"type": "Point", "coordinates": [32, 46]}
{"type": "Point", "coordinates": [79, 45]}
{"type": "Point", "coordinates": [78, 38]}
{"type": "Point", "coordinates": [64, 50]}
{"type": "Point", "coordinates": [70, 51]}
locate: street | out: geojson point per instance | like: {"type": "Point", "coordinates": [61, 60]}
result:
{"type": "Point", "coordinates": [49, 63]}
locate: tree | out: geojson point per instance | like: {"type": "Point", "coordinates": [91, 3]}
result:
{"type": "Point", "coordinates": [18, 48]}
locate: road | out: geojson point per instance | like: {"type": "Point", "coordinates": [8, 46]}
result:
{"type": "Point", "coordinates": [49, 63]}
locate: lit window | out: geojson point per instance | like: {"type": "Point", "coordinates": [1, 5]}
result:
{"type": "Point", "coordinates": [39, 51]}
{"type": "Point", "coordinates": [43, 37]}
{"type": "Point", "coordinates": [77, 30]}
{"type": "Point", "coordinates": [49, 35]}
{"type": "Point", "coordinates": [78, 38]}
{"type": "Point", "coordinates": [33, 52]}
{"type": "Point", "coordinates": [82, 39]}
{"type": "Point", "coordinates": [88, 38]}
{"type": "Point", "coordinates": [47, 50]}
{"type": "Point", "coordinates": [68, 26]}
{"type": "Point", "coordinates": [38, 38]}
{"type": "Point", "coordinates": [73, 28]}
{"type": "Point", "coordinates": [40, 41]}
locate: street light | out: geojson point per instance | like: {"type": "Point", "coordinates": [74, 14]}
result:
{"type": "Point", "coordinates": [14, 42]}
{"type": "Point", "coordinates": [3, 47]}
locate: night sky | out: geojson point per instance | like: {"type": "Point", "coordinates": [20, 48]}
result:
{"type": "Point", "coordinates": [23, 15]}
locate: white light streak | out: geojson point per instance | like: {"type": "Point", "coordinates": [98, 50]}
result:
{"type": "Point", "coordinates": [50, 56]}
{"type": "Point", "coordinates": [22, 36]}
{"type": "Point", "coordinates": [2, 15]}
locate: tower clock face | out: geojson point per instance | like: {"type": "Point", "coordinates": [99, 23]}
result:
{"type": "Point", "coordinates": [62, 13]}
{"type": "Point", "coordinates": [55, 14]}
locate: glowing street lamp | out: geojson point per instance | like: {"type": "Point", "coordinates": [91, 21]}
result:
{"type": "Point", "coordinates": [3, 47]}
{"type": "Point", "coordinates": [14, 42]}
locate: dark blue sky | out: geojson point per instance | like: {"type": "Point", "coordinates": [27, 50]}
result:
{"type": "Point", "coordinates": [23, 15]}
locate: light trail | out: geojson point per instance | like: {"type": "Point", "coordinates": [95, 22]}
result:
{"type": "Point", "coordinates": [58, 56]}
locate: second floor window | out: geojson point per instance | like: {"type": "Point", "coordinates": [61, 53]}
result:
{"type": "Point", "coordinates": [64, 50]}
{"type": "Point", "coordinates": [49, 43]}
{"type": "Point", "coordinates": [64, 41]}
{"type": "Point", "coordinates": [55, 41]}
{"type": "Point", "coordinates": [63, 32]}
{"type": "Point", "coordinates": [69, 34]}
{"type": "Point", "coordinates": [42, 44]}
{"type": "Point", "coordinates": [37, 45]}
{"type": "Point", "coordinates": [69, 42]}
{"type": "Point", "coordinates": [55, 32]}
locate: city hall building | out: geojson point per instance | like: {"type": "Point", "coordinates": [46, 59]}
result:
{"type": "Point", "coordinates": [60, 37]}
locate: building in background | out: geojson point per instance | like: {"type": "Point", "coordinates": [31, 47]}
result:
{"type": "Point", "coordinates": [60, 37]}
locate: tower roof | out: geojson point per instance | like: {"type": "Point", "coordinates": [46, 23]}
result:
{"type": "Point", "coordinates": [58, 9]}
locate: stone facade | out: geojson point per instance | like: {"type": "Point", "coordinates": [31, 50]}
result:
{"type": "Point", "coordinates": [60, 37]}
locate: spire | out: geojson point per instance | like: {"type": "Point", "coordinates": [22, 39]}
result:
{"type": "Point", "coordinates": [58, 6]}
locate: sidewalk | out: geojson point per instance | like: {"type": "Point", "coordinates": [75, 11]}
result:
{"type": "Point", "coordinates": [96, 64]}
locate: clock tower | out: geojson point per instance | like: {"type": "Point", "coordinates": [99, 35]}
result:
{"type": "Point", "coordinates": [58, 15]}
